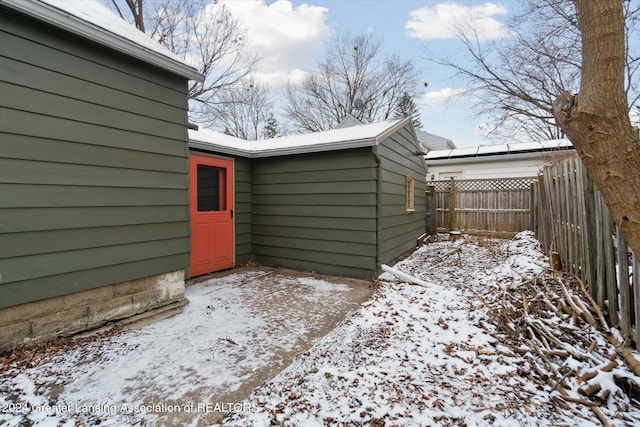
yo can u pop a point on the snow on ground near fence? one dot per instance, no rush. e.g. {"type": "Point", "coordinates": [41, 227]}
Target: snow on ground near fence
{"type": "Point", "coordinates": [417, 356]}
{"type": "Point", "coordinates": [411, 355]}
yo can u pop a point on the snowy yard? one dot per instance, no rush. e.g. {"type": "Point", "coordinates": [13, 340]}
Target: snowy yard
{"type": "Point", "coordinates": [237, 331]}
{"type": "Point", "coordinates": [432, 356]}
{"type": "Point", "coordinates": [457, 352]}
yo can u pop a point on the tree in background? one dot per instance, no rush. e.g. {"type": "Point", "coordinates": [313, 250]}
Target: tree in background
{"type": "Point", "coordinates": [596, 120]}
{"type": "Point", "coordinates": [406, 107]}
{"type": "Point", "coordinates": [517, 79]}
{"type": "Point", "coordinates": [204, 34]}
{"type": "Point", "coordinates": [245, 111]}
{"type": "Point", "coordinates": [354, 69]}
{"type": "Point", "coordinates": [271, 128]}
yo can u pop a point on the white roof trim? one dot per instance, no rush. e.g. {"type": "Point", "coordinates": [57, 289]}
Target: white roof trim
{"type": "Point", "coordinates": [366, 135]}
{"type": "Point", "coordinates": [139, 46]}
{"type": "Point", "coordinates": [499, 150]}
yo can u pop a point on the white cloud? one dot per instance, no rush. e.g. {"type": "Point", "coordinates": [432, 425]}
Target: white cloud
{"type": "Point", "coordinates": [439, 97]}
{"type": "Point", "coordinates": [286, 37]}
{"type": "Point", "coordinates": [445, 20]}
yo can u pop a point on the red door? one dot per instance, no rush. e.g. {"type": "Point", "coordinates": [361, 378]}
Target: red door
{"type": "Point", "coordinates": [211, 189]}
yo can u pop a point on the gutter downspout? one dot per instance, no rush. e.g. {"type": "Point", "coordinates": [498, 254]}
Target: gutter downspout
{"type": "Point", "coordinates": [379, 261]}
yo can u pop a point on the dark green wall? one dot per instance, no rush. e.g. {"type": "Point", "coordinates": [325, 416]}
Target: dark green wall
{"type": "Point", "coordinates": [317, 212]}
{"type": "Point", "coordinates": [93, 165]}
{"type": "Point", "coordinates": [243, 210]}
{"type": "Point", "coordinates": [399, 229]}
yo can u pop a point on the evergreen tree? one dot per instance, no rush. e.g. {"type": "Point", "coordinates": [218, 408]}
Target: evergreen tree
{"type": "Point", "coordinates": [407, 108]}
{"type": "Point", "coordinates": [270, 129]}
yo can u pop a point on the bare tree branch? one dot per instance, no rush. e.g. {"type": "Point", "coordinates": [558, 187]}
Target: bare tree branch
{"type": "Point", "coordinates": [353, 69]}
{"type": "Point", "coordinates": [515, 80]}
{"type": "Point", "coordinates": [203, 33]}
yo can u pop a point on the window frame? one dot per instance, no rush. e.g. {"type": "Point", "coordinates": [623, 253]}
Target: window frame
{"type": "Point", "coordinates": [410, 194]}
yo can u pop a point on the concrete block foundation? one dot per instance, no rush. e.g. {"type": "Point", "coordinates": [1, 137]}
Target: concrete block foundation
{"type": "Point", "coordinates": [81, 311]}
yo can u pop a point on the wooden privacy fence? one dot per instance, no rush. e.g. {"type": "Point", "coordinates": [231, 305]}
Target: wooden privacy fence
{"type": "Point", "coordinates": [572, 221]}
{"type": "Point", "coordinates": [487, 206]}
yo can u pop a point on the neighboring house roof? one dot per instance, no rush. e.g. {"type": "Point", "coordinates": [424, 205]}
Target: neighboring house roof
{"type": "Point", "coordinates": [348, 121]}
{"type": "Point", "coordinates": [500, 150]}
{"type": "Point", "coordinates": [432, 141]}
{"type": "Point", "coordinates": [95, 22]}
{"type": "Point", "coordinates": [365, 135]}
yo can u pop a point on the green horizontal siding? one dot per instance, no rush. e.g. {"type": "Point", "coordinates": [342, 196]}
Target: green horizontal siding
{"type": "Point", "coordinates": [34, 77]}
{"type": "Point", "coordinates": [45, 103]}
{"type": "Point", "coordinates": [317, 212]}
{"type": "Point", "coordinates": [52, 241]}
{"type": "Point", "coordinates": [243, 210]}
{"type": "Point", "coordinates": [318, 187]}
{"type": "Point", "coordinates": [35, 43]}
{"type": "Point", "coordinates": [320, 223]}
{"type": "Point", "coordinates": [18, 220]}
{"type": "Point", "coordinates": [94, 154]}
{"type": "Point", "coordinates": [93, 166]}
{"type": "Point", "coordinates": [337, 212]}
{"type": "Point", "coordinates": [15, 269]}
{"type": "Point", "coordinates": [32, 125]}
{"type": "Point", "coordinates": [360, 267]}
{"type": "Point", "coordinates": [52, 173]}
{"type": "Point", "coordinates": [361, 199]}
{"type": "Point", "coordinates": [400, 229]}
{"type": "Point", "coordinates": [318, 234]}
{"type": "Point", "coordinates": [45, 196]}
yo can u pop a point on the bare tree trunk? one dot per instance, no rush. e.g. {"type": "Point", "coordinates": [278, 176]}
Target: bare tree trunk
{"type": "Point", "coordinates": [135, 7]}
{"type": "Point", "coordinates": [596, 120]}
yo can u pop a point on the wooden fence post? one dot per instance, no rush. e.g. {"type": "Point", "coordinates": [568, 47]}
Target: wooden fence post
{"type": "Point", "coordinates": [636, 295]}
{"type": "Point", "coordinates": [623, 277]}
{"type": "Point", "coordinates": [533, 203]}
{"type": "Point", "coordinates": [452, 204]}
{"type": "Point", "coordinates": [430, 211]}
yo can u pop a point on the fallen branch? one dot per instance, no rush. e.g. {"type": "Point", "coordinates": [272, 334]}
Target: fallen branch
{"type": "Point", "coordinates": [405, 276]}
{"type": "Point", "coordinates": [594, 305]}
{"type": "Point", "coordinates": [626, 354]}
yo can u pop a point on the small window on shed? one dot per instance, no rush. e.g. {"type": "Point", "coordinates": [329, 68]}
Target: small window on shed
{"type": "Point", "coordinates": [410, 195]}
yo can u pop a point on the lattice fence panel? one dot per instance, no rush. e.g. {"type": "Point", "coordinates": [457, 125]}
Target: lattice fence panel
{"type": "Point", "coordinates": [486, 184]}
{"type": "Point", "coordinates": [484, 205]}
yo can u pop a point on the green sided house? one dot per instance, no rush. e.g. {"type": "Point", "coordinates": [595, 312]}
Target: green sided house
{"type": "Point", "coordinates": [107, 201]}
{"type": "Point", "coordinates": [94, 206]}
{"type": "Point", "coordinates": [339, 202]}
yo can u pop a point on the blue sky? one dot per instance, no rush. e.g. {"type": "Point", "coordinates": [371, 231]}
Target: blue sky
{"type": "Point", "coordinates": [291, 36]}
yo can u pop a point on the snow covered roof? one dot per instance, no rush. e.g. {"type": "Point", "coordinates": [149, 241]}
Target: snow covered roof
{"type": "Point", "coordinates": [91, 20]}
{"type": "Point", "coordinates": [431, 141]}
{"type": "Point", "coordinates": [365, 135]}
{"type": "Point", "coordinates": [500, 150]}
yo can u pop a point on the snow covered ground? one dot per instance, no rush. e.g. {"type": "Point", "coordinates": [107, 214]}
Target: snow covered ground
{"type": "Point", "coordinates": [416, 356]}
{"type": "Point", "coordinates": [236, 330]}
{"type": "Point", "coordinates": [411, 355]}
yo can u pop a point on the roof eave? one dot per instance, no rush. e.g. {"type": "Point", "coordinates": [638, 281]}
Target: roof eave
{"type": "Point", "coordinates": [71, 23]}
{"type": "Point", "coordinates": [316, 148]}
{"type": "Point", "coordinates": [254, 153]}
{"type": "Point", "coordinates": [393, 129]}
{"type": "Point", "coordinates": [222, 149]}
{"type": "Point", "coordinates": [499, 157]}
